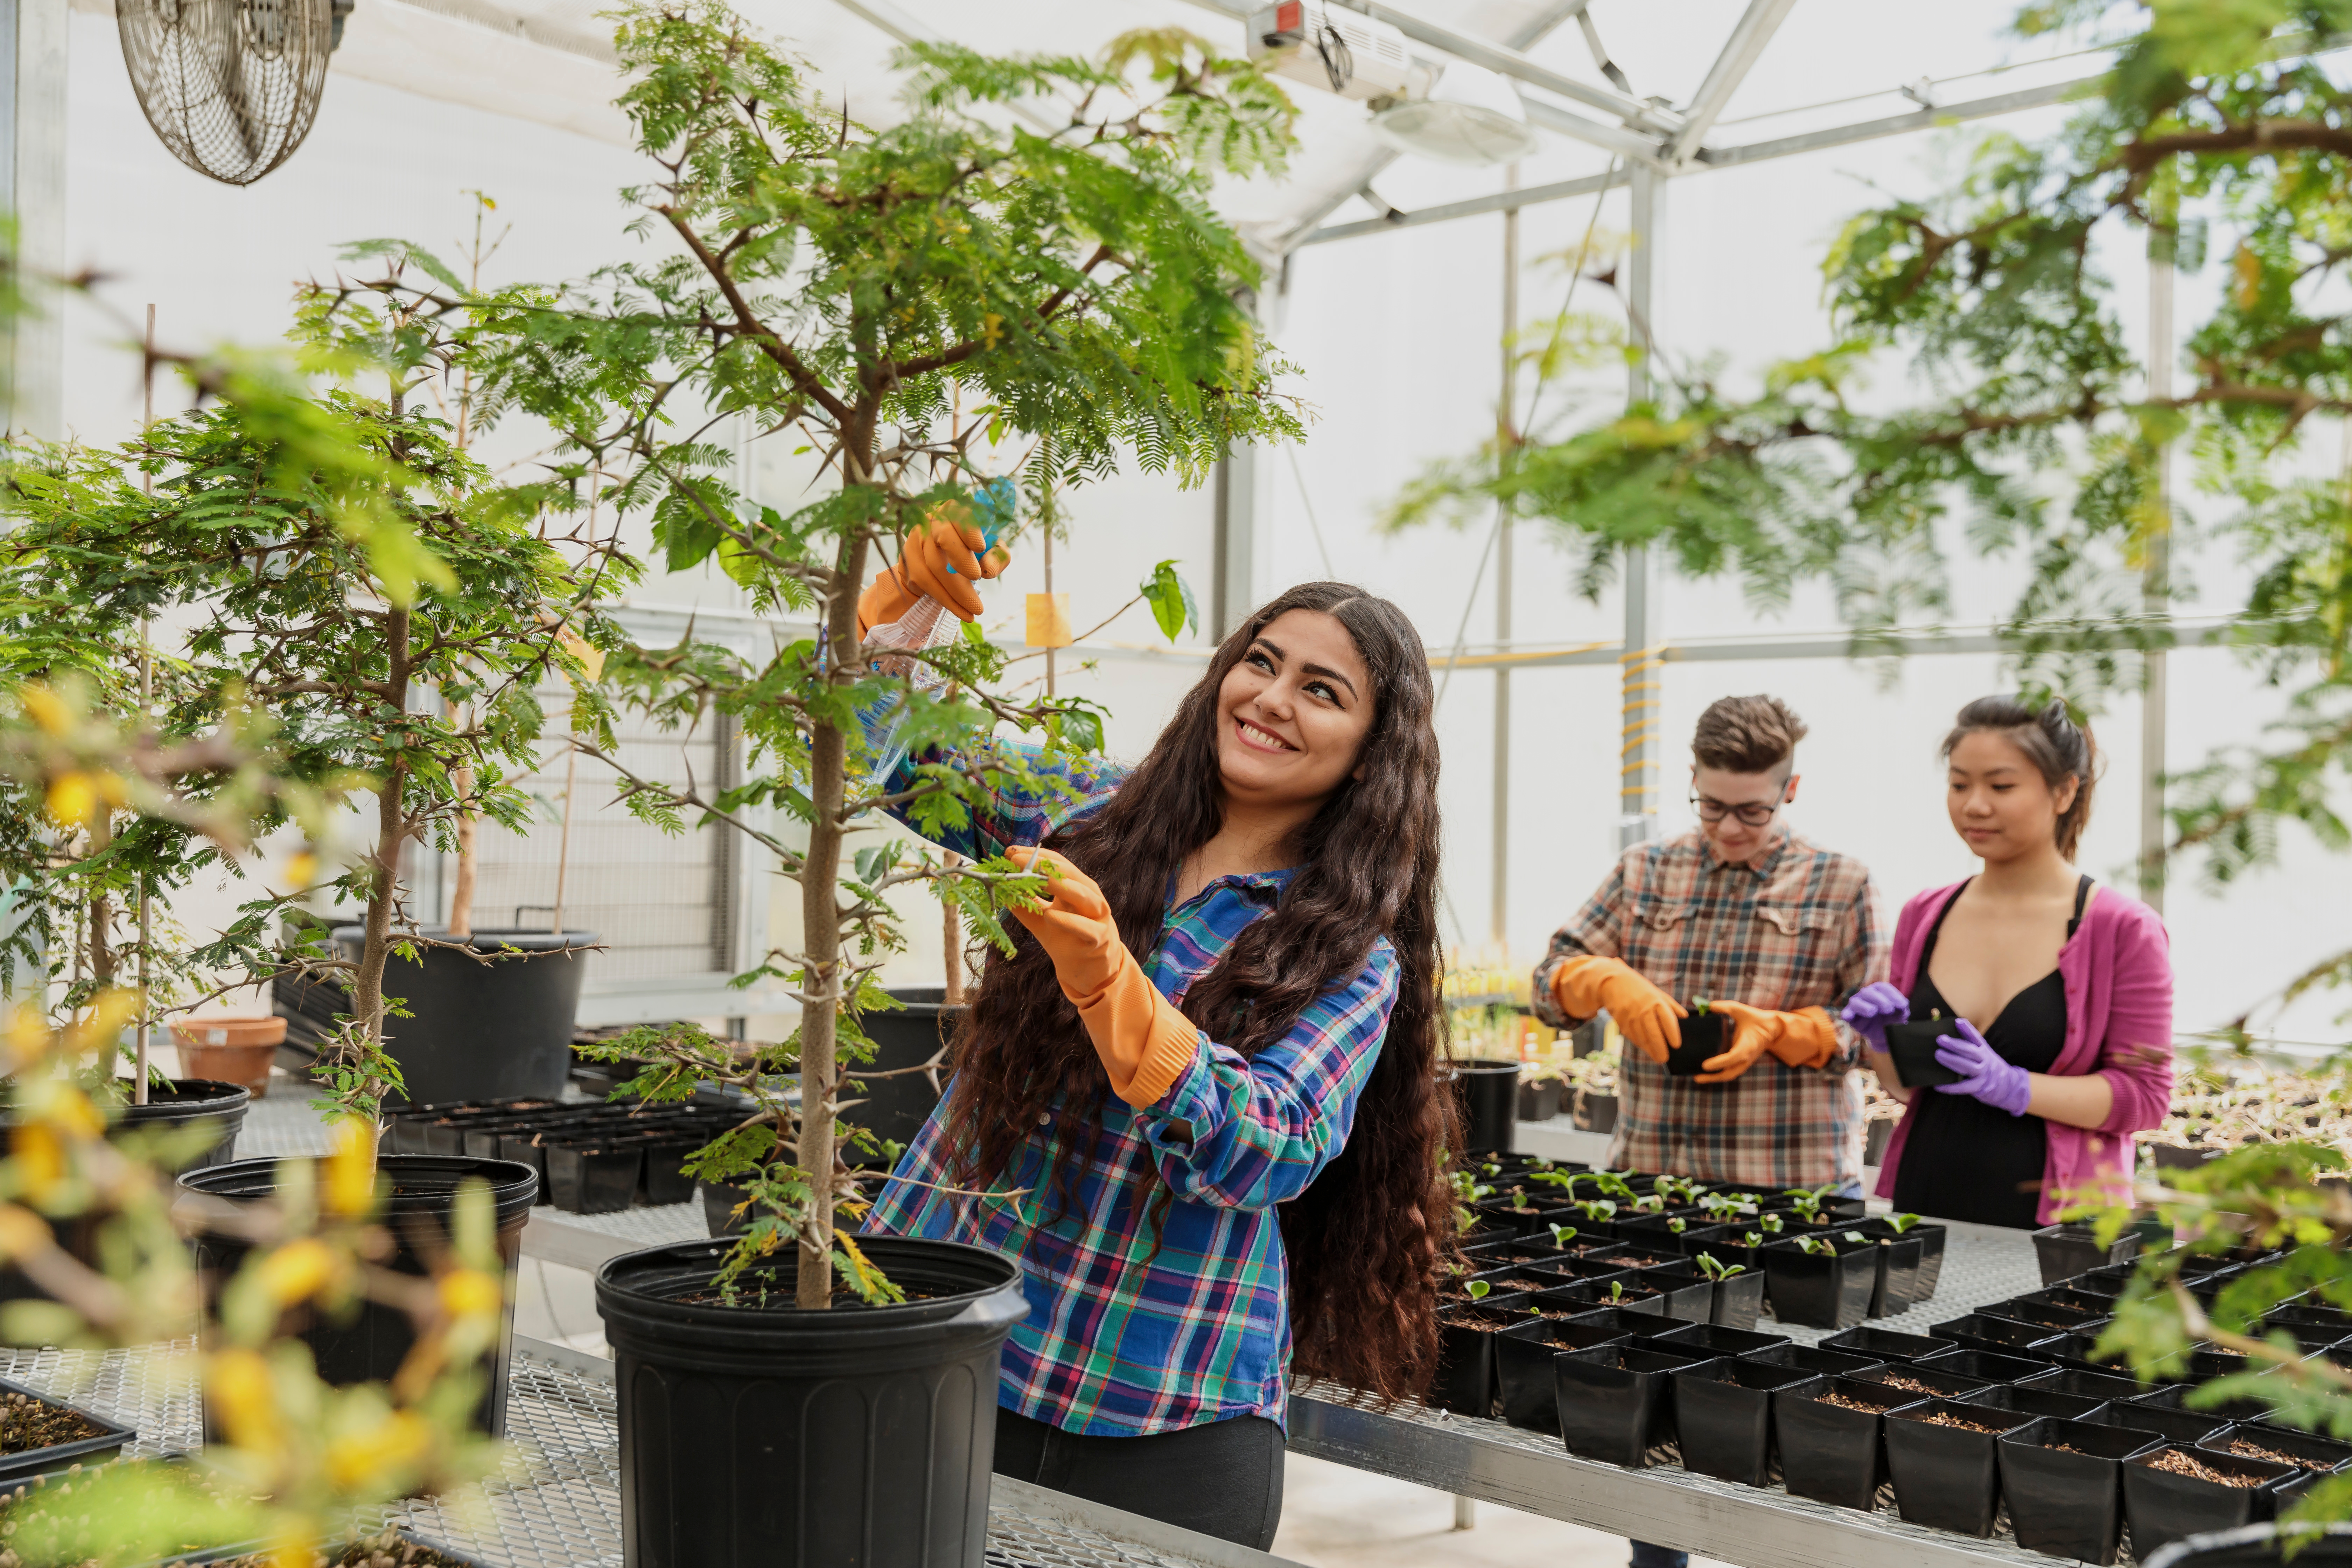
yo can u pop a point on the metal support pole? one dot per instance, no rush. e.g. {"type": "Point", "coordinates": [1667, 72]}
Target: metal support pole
{"type": "Point", "coordinates": [1505, 445]}
{"type": "Point", "coordinates": [33, 46]}
{"type": "Point", "coordinates": [1637, 805]}
{"type": "Point", "coordinates": [2155, 586]}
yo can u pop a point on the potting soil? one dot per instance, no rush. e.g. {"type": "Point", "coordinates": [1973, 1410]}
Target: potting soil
{"type": "Point", "coordinates": [1945, 1418]}
{"type": "Point", "coordinates": [2251, 1449]}
{"type": "Point", "coordinates": [1912, 1384]}
{"type": "Point", "coordinates": [1847, 1402]}
{"type": "Point", "coordinates": [368, 1551]}
{"type": "Point", "coordinates": [28, 1423]}
{"type": "Point", "coordinates": [2178, 1462]}
{"type": "Point", "coordinates": [1481, 1321]}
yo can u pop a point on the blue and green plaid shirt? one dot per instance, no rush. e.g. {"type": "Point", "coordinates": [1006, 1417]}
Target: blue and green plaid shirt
{"type": "Point", "coordinates": [1125, 1337]}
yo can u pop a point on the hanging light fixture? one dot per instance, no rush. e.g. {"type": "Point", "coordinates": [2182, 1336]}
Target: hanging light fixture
{"type": "Point", "coordinates": [1471, 115]}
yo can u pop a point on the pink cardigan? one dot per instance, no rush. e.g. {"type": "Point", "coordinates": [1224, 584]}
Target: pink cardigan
{"type": "Point", "coordinates": [2118, 971]}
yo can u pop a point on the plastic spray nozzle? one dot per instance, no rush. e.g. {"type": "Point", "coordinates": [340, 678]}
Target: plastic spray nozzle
{"type": "Point", "coordinates": [993, 506]}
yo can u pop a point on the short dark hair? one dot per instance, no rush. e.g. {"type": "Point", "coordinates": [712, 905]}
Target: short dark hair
{"type": "Point", "coordinates": [2057, 746]}
{"type": "Point", "coordinates": [1747, 734]}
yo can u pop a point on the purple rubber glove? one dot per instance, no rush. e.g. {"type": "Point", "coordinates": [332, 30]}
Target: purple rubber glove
{"type": "Point", "coordinates": [1869, 1010]}
{"type": "Point", "coordinates": [1984, 1073]}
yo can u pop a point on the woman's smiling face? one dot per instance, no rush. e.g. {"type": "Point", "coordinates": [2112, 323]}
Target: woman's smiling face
{"type": "Point", "coordinates": [1293, 714]}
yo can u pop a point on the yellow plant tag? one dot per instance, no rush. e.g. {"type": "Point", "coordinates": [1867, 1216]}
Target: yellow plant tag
{"type": "Point", "coordinates": [1049, 620]}
{"type": "Point", "coordinates": [590, 657]}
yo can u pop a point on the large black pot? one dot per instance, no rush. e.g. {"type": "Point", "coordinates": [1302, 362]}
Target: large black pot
{"type": "Point", "coordinates": [370, 1345]}
{"type": "Point", "coordinates": [483, 1030]}
{"type": "Point", "coordinates": [858, 1437]}
{"type": "Point", "coordinates": [895, 1108]}
{"type": "Point", "coordinates": [1490, 1103]}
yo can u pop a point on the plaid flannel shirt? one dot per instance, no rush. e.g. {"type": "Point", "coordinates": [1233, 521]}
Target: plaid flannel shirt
{"type": "Point", "coordinates": [1800, 929]}
{"type": "Point", "coordinates": [1133, 1329]}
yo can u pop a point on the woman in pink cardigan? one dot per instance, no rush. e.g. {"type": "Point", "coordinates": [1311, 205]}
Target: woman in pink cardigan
{"type": "Point", "coordinates": [2060, 993]}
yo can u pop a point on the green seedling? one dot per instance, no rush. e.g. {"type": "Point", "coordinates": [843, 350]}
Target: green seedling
{"type": "Point", "coordinates": [1902, 1223]}
{"type": "Point", "coordinates": [1598, 1209]}
{"type": "Point", "coordinates": [1814, 1244]}
{"type": "Point", "coordinates": [1752, 1240]}
{"type": "Point", "coordinates": [1769, 1224]}
{"type": "Point", "coordinates": [1616, 1291]}
{"type": "Point", "coordinates": [1717, 1270]}
{"type": "Point", "coordinates": [1477, 1289]}
{"type": "Point", "coordinates": [1562, 1235]}
{"type": "Point", "coordinates": [1678, 1226]}
{"type": "Point", "coordinates": [1856, 1237]}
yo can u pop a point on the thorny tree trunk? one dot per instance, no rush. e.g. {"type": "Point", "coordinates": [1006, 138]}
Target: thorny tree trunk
{"type": "Point", "coordinates": [951, 945]}
{"type": "Point", "coordinates": [821, 927]}
{"type": "Point", "coordinates": [391, 832]}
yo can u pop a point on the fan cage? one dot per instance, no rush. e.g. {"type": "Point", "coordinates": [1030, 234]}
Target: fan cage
{"type": "Point", "coordinates": [232, 87]}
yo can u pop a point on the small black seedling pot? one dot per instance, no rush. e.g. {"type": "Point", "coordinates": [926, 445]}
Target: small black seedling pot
{"type": "Point", "coordinates": [1521, 1280]}
{"type": "Point", "coordinates": [1738, 1299]}
{"type": "Point", "coordinates": [1814, 1360]}
{"type": "Point", "coordinates": [593, 1176]}
{"type": "Point", "coordinates": [1821, 1289]}
{"type": "Point", "coordinates": [1710, 1340]}
{"type": "Point", "coordinates": [2002, 1336]}
{"type": "Point", "coordinates": [1896, 1286]}
{"type": "Point", "coordinates": [1913, 1047]}
{"type": "Point", "coordinates": [2064, 1483]}
{"type": "Point", "coordinates": [2091, 1303]}
{"type": "Point", "coordinates": [2313, 1315]}
{"type": "Point", "coordinates": [1464, 1383]}
{"type": "Point", "coordinates": [1689, 1294]}
{"type": "Point", "coordinates": [1947, 1477]}
{"type": "Point", "coordinates": [2108, 1278]}
{"type": "Point", "coordinates": [1641, 1252]}
{"type": "Point", "coordinates": [2074, 1381]}
{"type": "Point", "coordinates": [1886, 1344]}
{"type": "Point", "coordinates": [2175, 1396]}
{"type": "Point", "coordinates": [1831, 1453]}
{"type": "Point", "coordinates": [1523, 1358]}
{"type": "Point", "coordinates": [2314, 1457]}
{"type": "Point", "coordinates": [1723, 1416]}
{"type": "Point", "coordinates": [1701, 1035]}
{"type": "Point", "coordinates": [1916, 1382]}
{"type": "Point", "coordinates": [1931, 1259]}
{"type": "Point", "coordinates": [2026, 1400]}
{"type": "Point", "coordinates": [2047, 1317]}
{"type": "Point", "coordinates": [2163, 1507]}
{"type": "Point", "coordinates": [1616, 1402]}
{"type": "Point", "coordinates": [2066, 1250]}
{"type": "Point", "coordinates": [1503, 1218]}
{"type": "Point", "coordinates": [2172, 1426]}
{"type": "Point", "coordinates": [1593, 1268]}
{"type": "Point", "coordinates": [1989, 1366]}
{"type": "Point", "coordinates": [1641, 1323]}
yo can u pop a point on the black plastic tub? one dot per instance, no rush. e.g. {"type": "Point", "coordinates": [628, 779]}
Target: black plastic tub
{"type": "Point", "coordinates": [2067, 1502]}
{"type": "Point", "coordinates": [1831, 1453]}
{"type": "Point", "coordinates": [419, 1194]}
{"type": "Point", "coordinates": [1714, 1340]}
{"type": "Point", "coordinates": [1947, 1477]}
{"type": "Point", "coordinates": [1913, 1046]}
{"type": "Point", "coordinates": [1489, 1093]}
{"type": "Point", "coordinates": [2163, 1508]}
{"type": "Point", "coordinates": [2002, 1336]}
{"type": "Point", "coordinates": [1723, 1416]}
{"type": "Point", "coordinates": [1821, 1289]}
{"type": "Point", "coordinates": [1814, 1360]}
{"type": "Point", "coordinates": [1888, 1345]}
{"type": "Point", "coordinates": [1616, 1402]}
{"type": "Point", "coordinates": [1989, 1365]}
{"type": "Point", "coordinates": [2066, 1250]}
{"type": "Point", "coordinates": [754, 1436]}
{"type": "Point", "coordinates": [97, 1449]}
{"type": "Point", "coordinates": [486, 1026]}
{"type": "Point", "coordinates": [1523, 1372]}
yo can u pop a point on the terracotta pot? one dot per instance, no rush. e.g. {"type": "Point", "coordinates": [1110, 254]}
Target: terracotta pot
{"type": "Point", "coordinates": [229, 1051]}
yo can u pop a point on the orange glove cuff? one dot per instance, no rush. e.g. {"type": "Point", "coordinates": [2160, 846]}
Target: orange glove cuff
{"type": "Point", "coordinates": [1807, 1038]}
{"type": "Point", "coordinates": [1144, 1042]}
{"type": "Point", "coordinates": [884, 600]}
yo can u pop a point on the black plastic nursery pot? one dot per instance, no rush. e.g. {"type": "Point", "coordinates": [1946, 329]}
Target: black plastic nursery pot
{"type": "Point", "coordinates": [2258, 1546]}
{"type": "Point", "coordinates": [2002, 1336]}
{"type": "Point", "coordinates": [1821, 1289]}
{"type": "Point", "coordinates": [1490, 1102]}
{"type": "Point", "coordinates": [1913, 1047]}
{"type": "Point", "coordinates": [1814, 1360]}
{"type": "Point", "coordinates": [2066, 1250]}
{"type": "Point", "coordinates": [1616, 1402]}
{"type": "Point", "coordinates": [2027, 1400]}
{"type": "Point", "coordinates": [1831, 1450]}
{"type": "Point", "coordinates": [2164, 1507]}
{"type": "Point", "coordinates": [1464, 1383]}
{"type": "Point", "coordinates": [1931, 1260]}
{"type": "Point", "coordinates": [1711, 1339]}
{"type": "Point", "coordinates": [2312, 1455]}
{"type": "Point", "coordinates": [1916, 1381]}
{"type": "Point", "coordinates": [485, 1030]}
{"type": "Point", "coordinates": [421, 1195]}
{"type": "Point", "coordinates": [105, 1441]}
{"type": "Point", "coordinates": [2188, 1426]}
{"type": "Point", "coordinates": [1942, 1455]}
{"type": "Point", "coordinates": [1688, 1294]}
{"type": "Point", "coordinates": [2064, 1483]}
{"type": "Point", "coordinates": [1738, 1299]}
{"type": "Point", "coordinates": [1593, 1113]}
{"type": "Point", "coordinates": [1888, 1345]}
{"type": "Point", "coordinates": [1896, 1285]}
{"type": "Point", "coordinates": [1723, 1416]}
{"type": "Point", "coordinates": [1539, 1099]}
{"type": "Point", "coordinates": [905, 1036]}
{"type": "Point", "coordinates": [2082, 1383]}
{"type": "Point", "coordinates": [1523, 1370]}
{"type": "Point", "coordinates": [1702, 1037]}
{"type": "Point", "coordinates": [774, 1437]}
{"type": "Point", "coordinates": [1991, 1365]}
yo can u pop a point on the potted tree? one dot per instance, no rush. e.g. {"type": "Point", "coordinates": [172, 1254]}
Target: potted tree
{"type": "Point", "coordinates": [929, 307]}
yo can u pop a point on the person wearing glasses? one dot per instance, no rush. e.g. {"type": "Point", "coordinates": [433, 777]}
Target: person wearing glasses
{"type": "Point", "coordinates": [1767, 929]}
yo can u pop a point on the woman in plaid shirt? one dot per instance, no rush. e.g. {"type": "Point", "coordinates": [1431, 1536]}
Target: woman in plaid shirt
{"type": "Point", "coordinates": [1199, 1096]}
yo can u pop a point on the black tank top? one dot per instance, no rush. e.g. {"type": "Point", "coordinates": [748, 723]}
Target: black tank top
{"type": "Point", "coordinates": [1966, 1160]}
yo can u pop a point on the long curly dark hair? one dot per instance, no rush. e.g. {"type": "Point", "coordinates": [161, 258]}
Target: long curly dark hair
{"type": "Point", "coordinates": [1364, 1241]}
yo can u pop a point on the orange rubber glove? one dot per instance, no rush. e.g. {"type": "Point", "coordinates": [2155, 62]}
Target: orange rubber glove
{"type": "Point", "coordinates": [1144, 1042]}
{"type": "Point", "coordinates": [1644, 1014]}
{"type": "Point", "coordinates": [925, 556]}
{"type": "Point", "coordinates": [1802, 1039]}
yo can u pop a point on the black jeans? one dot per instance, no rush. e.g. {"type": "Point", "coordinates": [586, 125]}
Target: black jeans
{"type": "Point", "coordinates": [1224, 1478]}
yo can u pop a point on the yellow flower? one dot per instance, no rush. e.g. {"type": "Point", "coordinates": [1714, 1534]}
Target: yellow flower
{"type": "Point", "coordinates": [351, 1170]}
{"type": "Point", "coordinates": [40, 1159]}
{"type": "Point", "coordinates": [110, 1013]}
{"type": "Point", "coordinates": [470, 1293]}
{"type": "Point", "coordinates": [297, 1271]}
{"type": "Point", "coordinates": [380, 1456]}
{"type": "Point", "coordinates": [244, 1398]}
{"type": "Point", "coordinates": [48, 709]}
{"type": "Point", "coordinates": [73, 799]}
{"type": "Point", "coordinates": [70, 1110]}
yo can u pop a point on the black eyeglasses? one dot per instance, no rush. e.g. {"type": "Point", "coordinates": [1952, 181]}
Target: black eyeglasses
{"type": "Point", "coordinates": [1754, 813]}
